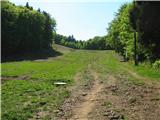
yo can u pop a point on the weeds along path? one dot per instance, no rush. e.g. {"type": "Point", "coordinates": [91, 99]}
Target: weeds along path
{"type": "Point", "coordinates": [144, 79]}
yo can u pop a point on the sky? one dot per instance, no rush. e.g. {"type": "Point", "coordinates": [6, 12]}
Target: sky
{"type": "Point", "coordinates": [84, 19]}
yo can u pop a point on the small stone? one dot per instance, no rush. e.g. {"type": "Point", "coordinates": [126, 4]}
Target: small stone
{"type": "Point", "coordinates": [91, 99]}
{"type": "Point", "coordinates": [37, 116]}
{"type": "Point", "coordinates": [115, 117]}
{"type": "Point", "coordinates": [76, 118]}
{"type": "Point", "coordinates": [135, 110]}
{"type": "Point", "coordinates": [122, 117]}
{"type": "Point", "coordinates": [101, 81]}
{"type": "Point", "coordinates": [106, 114]}
{"type": "Point", "coordinates": [60, 114]}
{"type": "Point", "coordinates": [56, 111]}
{"type": "Point", "coordinates": [127, 93]}
{"type": "Point", "coordinates": [60, 109]}
{"type": "Point", "coordinates": [155, 99]}
{"type": "Point", "coordinates": [132, 100]}
{"type": "Point", "coordinates": [84, 94]}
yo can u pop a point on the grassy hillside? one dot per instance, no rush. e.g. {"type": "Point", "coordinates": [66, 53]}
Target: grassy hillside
{"type": "Point", "coordinates": [28, 86]}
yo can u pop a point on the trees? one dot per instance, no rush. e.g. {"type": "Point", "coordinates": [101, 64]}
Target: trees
{"type": "Point", "coordinates": [97, 43]}
{"type": "Point", "coordinates": [29, 7]}
{"type": "Point", "coordinates": [69, 41]}
{"type": "Point", "coordinates": [120, 33]}
{"type": "Point", "coordinates": [49, 27]}
{"type": "Point", "coordinates": [145, 19]}
{"type": "Point", "coordinates": [142, 17]}
{"type": "Point", "coordinates": [24, 29]}
{"type": "Point", "coordinates": [9, 16]}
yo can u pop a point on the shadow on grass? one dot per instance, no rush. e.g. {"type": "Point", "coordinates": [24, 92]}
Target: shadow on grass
{"type": "Point", "coordinates": [36, 55]}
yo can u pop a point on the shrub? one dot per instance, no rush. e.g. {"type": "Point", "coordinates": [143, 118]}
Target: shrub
{"type": "Point", "coordinates": [156, 64]}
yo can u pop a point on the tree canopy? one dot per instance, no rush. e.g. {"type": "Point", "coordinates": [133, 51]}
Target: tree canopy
{"type": "Point", "coordinates": [96, 43]}
{"type": "Point", "coordinates": [142, 17]}
{"type": "Point", "coordinates": [145, 19]}
{"type": "Point", "coordinates": [24, 29]}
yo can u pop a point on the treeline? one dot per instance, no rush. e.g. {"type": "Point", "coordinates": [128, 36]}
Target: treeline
{"type": "Point", "coordinates": [143, 18]}
{"type": "Point", "coordinates": [25, 29]}
{"type": "Point", "coordinates": [97, 43]}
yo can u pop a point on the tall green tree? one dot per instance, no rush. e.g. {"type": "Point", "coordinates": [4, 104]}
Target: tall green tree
{"type": "Point", "coordinates": [49, 28]}
{"type": "Point", "coordinates": [120, 32]}
{"type": "Point", "coordinates": [145, 19]}
{"type": "Point", "coordinates": [24, 29]}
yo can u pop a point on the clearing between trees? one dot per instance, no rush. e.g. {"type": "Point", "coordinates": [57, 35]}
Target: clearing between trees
{"type": "Point", "coordinates": [99, 87]}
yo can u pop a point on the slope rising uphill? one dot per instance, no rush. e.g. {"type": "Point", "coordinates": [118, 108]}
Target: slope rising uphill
{"type": "Point", "coordinates": [99, 87]}
{"type": "Point", "coordinates": [111, 91]}
{"type": "Point", "coordinates": [29, 85]}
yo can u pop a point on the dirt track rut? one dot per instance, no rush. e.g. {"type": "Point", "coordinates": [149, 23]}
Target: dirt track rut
{"type": "Point", "coordinates": [82, 110]}
{"type": "Point", "coordinates": [113, 98]}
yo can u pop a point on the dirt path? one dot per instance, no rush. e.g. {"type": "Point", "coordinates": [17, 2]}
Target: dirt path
{"type": "Point", "coordinates": [81, 111]}
{"type": "Point", "coordinates": [108, 102]}
{"type": "Point", "coordinates": [121, 99]}
{"type": "Point", "coordinates": [83, 97]}
{"type": "Point", "coordinates": [110, 96]}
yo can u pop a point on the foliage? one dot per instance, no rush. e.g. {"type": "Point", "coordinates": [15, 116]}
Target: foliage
{"type": "Point", "coordinates": [24, 29]}
{"type": "Point", "coordinates": [69, 41]}
{"type": "Point", "coordinates": [97, 43]}
{"type": "Point", "coordinates": [113, 65]}
{"type": "Point", "coordinates": [156, 64]}
{"type": "Point", "coordinates": [145, 19]}
{"type": "Point", "coordinates": [138, 16]}
{"type": "Point", "coordinates": [120, 34]}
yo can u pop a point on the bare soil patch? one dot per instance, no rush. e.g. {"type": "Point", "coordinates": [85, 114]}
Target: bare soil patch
{"type": "Point", "coordinates": [121, 99]}
{"type": "Point", "coordinates": [82, 100]}
{"type": "Point", "coordinates": [24, 77]}
{"type": "Point", "coordinates": [115, 98]}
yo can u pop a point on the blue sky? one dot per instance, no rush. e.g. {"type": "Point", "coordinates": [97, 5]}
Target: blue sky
{"type": "Point", "coordinates": [84, 19]}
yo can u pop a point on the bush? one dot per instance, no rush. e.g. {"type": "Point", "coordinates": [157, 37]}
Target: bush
{"type": "Point", "coordinates": [156, 64]}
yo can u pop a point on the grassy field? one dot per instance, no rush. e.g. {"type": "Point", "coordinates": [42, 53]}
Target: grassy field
{"type": "Point", "coordinates": [28, 86]}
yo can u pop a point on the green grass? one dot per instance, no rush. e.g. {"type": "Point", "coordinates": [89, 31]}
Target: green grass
{"type": "Point", "coordinates": [147, 71]}
{"type": "Point", "coordinates": [22, 99]}
{"type": "Point", "coordinates": [107, 104]}
{"type": "Point", "coordinates": [110, 64]}
{"type": "Point", "coordinates": [57, 69]}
